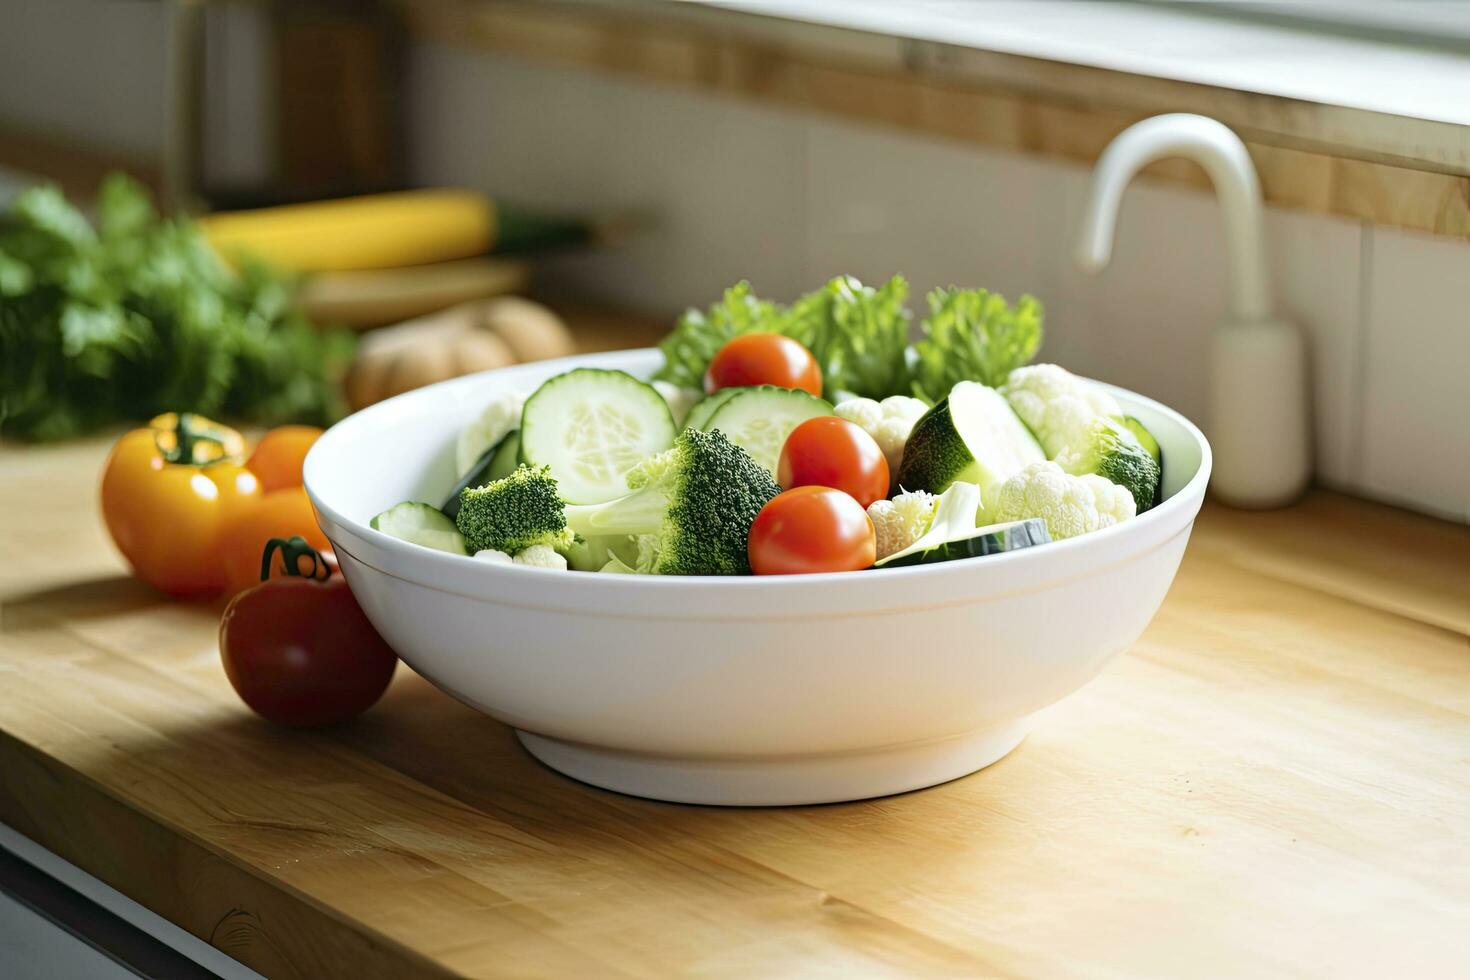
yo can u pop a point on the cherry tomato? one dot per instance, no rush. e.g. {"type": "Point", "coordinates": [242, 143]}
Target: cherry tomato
{"type": "Point", "coordinates": [811, 529]}
{"type": "Point", "coordinates": [169, 492]}
{"type": "Point", "coordinates": [278, 456]}
{"type": "Point", "coordinates": [300, 651]}
{"type": "Point", "coordinates": [831, 452]}
{"type": "Point", "coordinates": [763, 359]}
{"type": "Point", "coordinates": [278, 514]}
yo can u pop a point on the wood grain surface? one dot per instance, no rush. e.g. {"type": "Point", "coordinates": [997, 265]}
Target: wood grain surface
{"type": "Point", "coordinates": [1274, 782]}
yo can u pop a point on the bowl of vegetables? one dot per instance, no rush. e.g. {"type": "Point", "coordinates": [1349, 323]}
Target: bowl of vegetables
{"type": "Point", "coordinates": [789, 557]}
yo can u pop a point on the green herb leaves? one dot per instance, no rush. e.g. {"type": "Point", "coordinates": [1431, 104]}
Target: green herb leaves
{"type": "Point", "coordinates": [859, 336]}
{"type": "Point", "coordinates": [138, 316]}
{"type": "Point", "coordinates": [974, 335]}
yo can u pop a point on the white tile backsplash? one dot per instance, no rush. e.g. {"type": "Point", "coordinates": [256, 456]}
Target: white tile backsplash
{"type": "Point", "coordinates": [788, 199]}
{"type": "Point", "coordinates": [881, 202]}
{"type": "Point", "coordinates": [1416, 374]}
{"type": "Point", "coordinates": [722, 181]}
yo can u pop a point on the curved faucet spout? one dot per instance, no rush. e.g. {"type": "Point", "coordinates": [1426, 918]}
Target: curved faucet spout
{"type": "Point", "coordinates": [1223, 156]}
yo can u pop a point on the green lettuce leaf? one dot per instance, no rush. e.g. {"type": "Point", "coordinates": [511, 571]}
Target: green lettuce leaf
{"type": "Point", "coordinates": [858, 335]}
{"type": "Point", "coordinates": [973, 335]}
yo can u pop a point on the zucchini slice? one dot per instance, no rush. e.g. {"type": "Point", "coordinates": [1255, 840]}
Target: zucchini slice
{"type": "Point", "coordinates": [972, 436]}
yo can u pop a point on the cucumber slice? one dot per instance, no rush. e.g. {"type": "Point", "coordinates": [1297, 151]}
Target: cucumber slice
{"type": "Point", "coordinates": [420, 524]}
{"type": "Point", "coordinates": [592, 426]}
{"type": "Point", "coordinates": [759, 419]}
{"type": "Point", "coordinates": [495, 463]}
{"type": "Point", "coordinates": [705, 407]}
{"type": "Point", "coordinates": [972, 436]}
{"type": "Point", "coordinates": [991, 540]}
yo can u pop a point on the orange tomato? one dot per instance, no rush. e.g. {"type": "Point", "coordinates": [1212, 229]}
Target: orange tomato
{"type": "Point", "coordinates": [168, 493]}
{"type": "Point", "coordinates": [831, 452]}
{"type": "Point", "coordinates": [811, 529]}
{"type": "Point", "coordinates": [763, 359]}
{"type": "Point", "coordinates": [279, 454]}
{"type": "Point", "coordinates": [278, 514]}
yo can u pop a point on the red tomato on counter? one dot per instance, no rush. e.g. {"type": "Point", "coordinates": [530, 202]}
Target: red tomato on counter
{"type": "Point", "coordinates": [763, 359]}
{"type": "Point", "coordinates": [298, 649]}
{"type": "Point", "coordinates": [812, 529]}
{"type": "Point", "coordinates": [831, 452]}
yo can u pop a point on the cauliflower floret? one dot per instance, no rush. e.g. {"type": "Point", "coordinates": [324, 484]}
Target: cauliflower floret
{"type": "Point", "coordinates": [490, 554]}
{"type": "Point", "coordinates": [542, 556]}
{"type": "Point", "coordinates": [901, 521]}
{"type": "Point", "coordinates": [493, 424]}
{"type": "Point", "coordinates": [1070, 505]}
{"type": "Point", "coordinates": [889, 422]}
{"type": "Point", "coordinates": [680, 400]}
{"type": "Point", "coordinates": [1057, 406]}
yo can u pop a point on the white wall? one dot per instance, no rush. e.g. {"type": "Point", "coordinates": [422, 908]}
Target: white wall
{"type": "Point", "coordinates": [97, 74]}
{"type": "Point", "coordinates": [788, 199]}
{"type": "Point", "coordinates": [91, 73]}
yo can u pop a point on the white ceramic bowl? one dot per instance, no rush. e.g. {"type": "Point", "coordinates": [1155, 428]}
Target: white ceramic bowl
{"type": "Point", "coordinates": [752, 690]}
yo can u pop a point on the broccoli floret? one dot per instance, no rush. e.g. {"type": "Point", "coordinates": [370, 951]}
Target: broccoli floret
{"type": "Point", "coordinates": [1082, 429]}
{"type": "Point", "coordinates": [1114, 453]}
{"type": "Point", "coordinates": [696, 501]}
{"type": "Point", "coordinates": [513, 514]}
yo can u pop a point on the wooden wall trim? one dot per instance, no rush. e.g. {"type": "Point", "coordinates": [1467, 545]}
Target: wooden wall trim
{"type": "Point", "coordinates": [1412, 174]}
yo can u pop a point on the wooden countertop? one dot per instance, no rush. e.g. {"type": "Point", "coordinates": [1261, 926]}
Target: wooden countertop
{"type": "Point", "coordinates": [1276, 780]}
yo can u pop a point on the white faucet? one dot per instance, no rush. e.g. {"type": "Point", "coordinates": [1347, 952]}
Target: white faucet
{"type": "Point", "coordinates": [1258, 406]}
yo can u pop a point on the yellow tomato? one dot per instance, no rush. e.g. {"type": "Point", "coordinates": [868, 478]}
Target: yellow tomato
{"type": "Point", "coordinates": [168, 493]}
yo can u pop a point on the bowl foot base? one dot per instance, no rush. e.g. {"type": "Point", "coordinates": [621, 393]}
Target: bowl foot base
{"type": "Point", "coordinates": [779, 781]}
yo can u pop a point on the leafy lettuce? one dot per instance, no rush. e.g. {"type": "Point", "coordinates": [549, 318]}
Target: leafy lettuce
{"type": "Point", "coordinates": [860, 337]}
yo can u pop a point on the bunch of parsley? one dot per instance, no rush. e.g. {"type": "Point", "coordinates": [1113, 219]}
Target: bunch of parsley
{"type": "Point", "coordinates": [138, 316]}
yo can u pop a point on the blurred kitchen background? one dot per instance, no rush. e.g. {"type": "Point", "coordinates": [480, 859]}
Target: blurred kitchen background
{"type": "Point", "coordinates": [664, 151]}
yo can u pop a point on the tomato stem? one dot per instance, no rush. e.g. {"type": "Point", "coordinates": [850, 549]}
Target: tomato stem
{"type": "Point", "coordinates": [292, 550]}
{"type": "Point", "coordinates": [189, 432]}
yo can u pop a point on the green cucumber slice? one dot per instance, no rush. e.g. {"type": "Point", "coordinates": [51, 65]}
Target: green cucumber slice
{"type": "Point", "coordinates": [705, 407]}
{"type": "Point", "coordinates": [759, 419]}
{"type": "Point", "coordinates": [991, 540]}
{"type": "Point", "coordinates": [592, 426]}
{"type": "Point", "coordinates": [495, 463]}
{"type": "Point", "coordinates": [972, 436]}
{"type": "Point", "coordinates": [420, 524]}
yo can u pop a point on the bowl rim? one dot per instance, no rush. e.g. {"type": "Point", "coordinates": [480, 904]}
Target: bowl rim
{"type": "Point", "coordinates": [1169, 513]}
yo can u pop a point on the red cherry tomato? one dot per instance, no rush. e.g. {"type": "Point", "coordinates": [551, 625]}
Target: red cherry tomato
{"type": "Point", "coordinates": [763, 359]}
{"type": "Point", "coordinates": [299, 650]}
{"type": "Point", "coordinates": [811, 529]}
{"type": "Point", "coordinates": [831, 452]}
